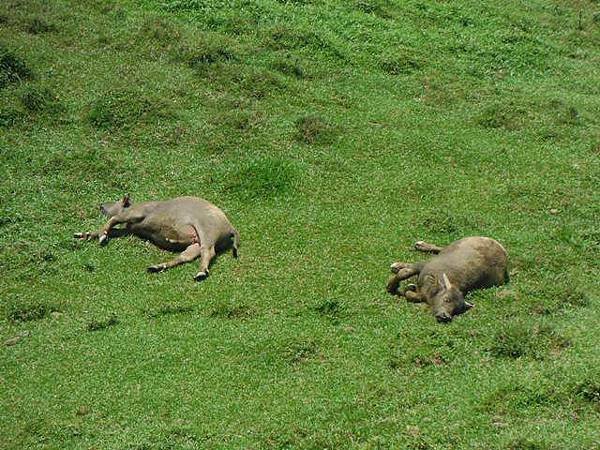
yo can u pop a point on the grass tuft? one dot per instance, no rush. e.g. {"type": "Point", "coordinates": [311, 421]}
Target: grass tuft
{"type": "Point", "coordinates": [528, 444]}
{"type": "Point", "coordinates": [559, 300]}
{"type": "Point", "coordinates": [521, 340]}
{"type": "Point", "coordinates": [38, 26]}
{"type": "Point", "coordinates": [509, 116]}
{"type": "Point", "coordinates": [400, 65]}
{"type": "Point", "coordinates": [99, 325]}
{"type": "Point", "coordinates": [229, 311]}
{"type": "Point", "coordinates": [203, 60]}
{"type": "Point", "coordinates": [161, 31]}
{"type": "Point", "coordinates": [290, 67]}
{"type": "Point", "coordinates": [589, 390]}
{"type": "Point", "coordinates": [10, 116]}
{"type": "Point", "coordinates": [37, 99]}
{"type": "Point", "coordinates": [28, 313]}
{"type": "Point", "coordinates": [332, 310]}
{"type": "Point", "coordinates": [314, 130]}
{"type": "Point", "coordinates": [12, 68]}
{"type": "Point", "coordinates": [263, 178]}
{"type": "Point", "coordinates": [374, 7]}
{"type": "Point", "coordinates": [169, 310]}
{"type": "Point", "coordinates": [128, 108]}
{"type": "Point", "coordinates": [239, 119]}
{"type": "Point", "coordinates": [300, 352]}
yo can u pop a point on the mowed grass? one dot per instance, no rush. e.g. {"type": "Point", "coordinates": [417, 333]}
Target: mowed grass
{"type": "Point", "coordinates": [334, 134]}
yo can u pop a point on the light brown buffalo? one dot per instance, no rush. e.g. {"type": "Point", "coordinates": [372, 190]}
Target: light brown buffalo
{"type": "Point", "coordinates": [443, 281]}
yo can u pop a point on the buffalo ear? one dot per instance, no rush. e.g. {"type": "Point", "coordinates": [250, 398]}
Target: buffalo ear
{"type": "Point", "coordinates": [126, 202]}
{"type": "Point", "coordinates": [445, 282]}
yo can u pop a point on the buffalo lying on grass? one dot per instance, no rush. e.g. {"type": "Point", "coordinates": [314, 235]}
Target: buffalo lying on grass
{"type": "Point", "coordinates": [191, 225]}
{"type": "Point", "coordinates": [443, 281]}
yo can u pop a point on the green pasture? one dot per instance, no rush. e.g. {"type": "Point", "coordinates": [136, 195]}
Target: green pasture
{"type": "Point", "coordinates": [334, 134]}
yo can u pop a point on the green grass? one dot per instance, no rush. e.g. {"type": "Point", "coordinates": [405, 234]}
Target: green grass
{"type": "Point", "coordinates": [334, 134]}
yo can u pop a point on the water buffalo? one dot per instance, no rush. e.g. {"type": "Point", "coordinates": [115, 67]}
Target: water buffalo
{"type": "Point", "coordinates": [191, 225]}
{"type": "Point", "coordinates": [443, 281]}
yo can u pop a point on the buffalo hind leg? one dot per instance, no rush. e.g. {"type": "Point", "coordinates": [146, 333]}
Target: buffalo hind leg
{"type": "Point", "coordinates": [402, 274]}
{"type": "Point", "coordinates": [207, 254]}
{"type": "Point", "coordinates": [188, 255]}
{"type": "Point", "coordinates": [423, 246]}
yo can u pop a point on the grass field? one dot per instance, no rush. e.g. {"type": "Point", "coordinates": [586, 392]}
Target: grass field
{"type": "Point", "coordinates": [334, 134]}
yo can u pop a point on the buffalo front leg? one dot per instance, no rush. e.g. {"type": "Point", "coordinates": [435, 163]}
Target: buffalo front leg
{"type": "Point", "coordinates": [206, 256]}
{"type": "Point", "coordinates": [423, 246]}
{"type": "Point", "coordinates": [402, 274]}
{"type": "Point", "coordinates": [88, 235]}
{"type": "Point", "coordinates": [103, 233]}
{"type": "Point", "coordinates": [395, 268]}
{"type": "Point", "coordinates": [188, 255]}
{"type": "Point", "coordinates": [412, 294]}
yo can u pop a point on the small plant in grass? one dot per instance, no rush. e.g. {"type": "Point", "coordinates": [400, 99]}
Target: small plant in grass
{"type": "Point", "coordinates": [169, 310]}
{"type": "Point", "coordinates": [28, 313]}
{"type": "Point", "coordinates": [209, 57]}
{"type": "Point", "coordinates": [290, 67]}
{"type": "Point", "coordinates": [400, 65]}
{"type": "Point", "coordinates": [12, 68]}
{"type": "Point", "coordinates": [528, 444]}
{"type": "Point", "coordinates": [374, 7]}
{"type": "Point", "coordinates": [37, 99]}
{"type": "Point", "coordinates": [520, 340]}
{"type": "Point", "coordinates": [299, 352]}
{"type": "Point", "coordinates": [229, 311]}
{"type": "Point", "coordinates": [314, 130]}
{"type": "Point", "coordinates": [263, 178]}
{"type": "Point", "coordinates": [126, 108]}
{"type": "Point", "coordinates": [589, 390]}
{"type": "Point", "coordinates": [39, 26]}
{"type": "Point", "coordinates": [98, 325]}
{"type": "Point", "coordinates": [330, 309]}
{"type": "Point", "coordinates": [10, 116]}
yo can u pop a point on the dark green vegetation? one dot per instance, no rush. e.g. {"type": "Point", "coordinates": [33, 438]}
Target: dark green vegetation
{"type": "Point", "coordinates": [334, 135]}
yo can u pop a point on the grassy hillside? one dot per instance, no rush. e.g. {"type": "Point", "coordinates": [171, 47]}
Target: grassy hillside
{"type": "Point", "coordinates": [334, 134]}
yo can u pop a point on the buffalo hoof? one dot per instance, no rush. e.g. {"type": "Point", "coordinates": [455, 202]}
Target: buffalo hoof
{"type": "Point", "coordinates": [157, 268]}
{"type": "Point", "coordinates": [200, 276]}
{"type": "Point", "coordinates": [421, 246]}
